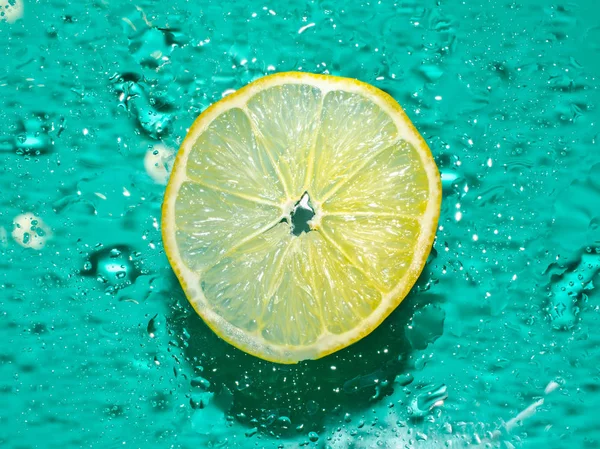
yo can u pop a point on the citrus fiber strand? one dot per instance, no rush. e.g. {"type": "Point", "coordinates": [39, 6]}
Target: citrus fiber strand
{"type": "Point", "coordinates": [311, 154]}
{"type": "Point", "coordinates": [243, 196]}
{"type": "Point", "coordinates": [313, 263]}
{"type": "Point", "coordinates": [356, 171]}
{"type": "Point", "coordinates": [352, 262]}
{"type": "Point", "coordinates": [250, 237]}
{"type": "Point", "coordinates": [337, 213]}
{"type": "Point", "coordinates": [276, 280]}
{"type": "Point", "coordinates": [259, 137]}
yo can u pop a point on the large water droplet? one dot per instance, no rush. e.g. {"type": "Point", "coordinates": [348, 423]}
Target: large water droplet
{"type": "Point", "coordinates": [427, 399]}
{"type": "Point", "coordinates": [153, 114]}
{"type": "Point", "coordinates": [155, 325]}
{"type": "Point", "coordinates": [12, 10]}
{"type": "Point", "coordinates": [200, 382]}
{"type": "Point", "coordinates": [31, 138]}
{"type": "Point", "coordinates": [568, 288]}
{"type": "Point", "coordinates": [30, 231]}
{"type": "Point", "coordinates": [426, 326]}
{"type": "Point", "coordinates": [114, 266]}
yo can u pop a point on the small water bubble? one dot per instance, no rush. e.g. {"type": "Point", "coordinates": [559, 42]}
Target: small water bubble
{"type": "Point", "coordinates": [313, 437]}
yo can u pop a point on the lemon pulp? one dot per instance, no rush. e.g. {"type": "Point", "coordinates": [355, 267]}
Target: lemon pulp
{"type": "Point", "coordinates": [337, 147]}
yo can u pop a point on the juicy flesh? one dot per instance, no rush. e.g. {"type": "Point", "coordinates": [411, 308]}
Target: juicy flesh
{"type": "Point", "coordinates": [368, 189]}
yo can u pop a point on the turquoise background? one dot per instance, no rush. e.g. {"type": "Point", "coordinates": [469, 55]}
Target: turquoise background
{"type": "Point", "coordinates": [98, 345]}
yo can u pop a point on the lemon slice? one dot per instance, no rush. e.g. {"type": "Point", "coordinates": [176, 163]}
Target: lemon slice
{"type": "Point", "coordinates": [300, 211]}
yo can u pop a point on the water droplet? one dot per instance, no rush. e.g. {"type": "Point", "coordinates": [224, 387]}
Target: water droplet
{"type": "Point", "coordinates": [427, 399]}
{"type": "Point", "coordinates": [32, 138]}
{"type": "Point", "coordinates": [197, 401]}
{"type": "Point", "coordinates": [152, 116]}
{"type": "Point", "coordinates": [12, 10]}
{"type": "Point", "coordinates": [566, 290]}
{"type": "Point", "coordinates": [420, 436]}
{"type": "Point", "coordinates": [155, 324]}
{"type": "Point", "coordinates": [200, 382]}
{"type": "Point", "coordinates": [158, 162]}
{"type": "Point", "coordinates": [426, 326]}
{"type": "Point", "coordinates": [313, 437]}
{"type": "Point", "coordinates": [30, 231]}
{"type": "Point", "coordinates": [285, 421]}
{"type": "Point", "coordinates": [115, 266]}
{"type": "Point", "coordinates": [404, 379]}
{"type": "Point", "coordinates": [431, 72]}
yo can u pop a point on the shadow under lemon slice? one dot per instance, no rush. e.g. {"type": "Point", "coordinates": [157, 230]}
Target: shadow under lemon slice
{"type": "Point", "coordinates": [300, 212]}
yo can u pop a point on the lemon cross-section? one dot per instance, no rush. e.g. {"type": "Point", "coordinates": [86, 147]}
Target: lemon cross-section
{"type": "Point", "coordinates": [300, 212]}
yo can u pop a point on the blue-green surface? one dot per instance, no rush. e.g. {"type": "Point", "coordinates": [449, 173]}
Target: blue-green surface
{"type": "Point", "coordinates": [98, 345]}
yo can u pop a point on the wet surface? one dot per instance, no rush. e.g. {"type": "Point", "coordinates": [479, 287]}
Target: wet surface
{"type": "Point", "coordinates": [498, 343]}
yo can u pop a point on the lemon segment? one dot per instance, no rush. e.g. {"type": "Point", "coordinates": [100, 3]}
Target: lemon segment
{"type": "Point", "coordinates": [350, 153]}
{"type": "Point", "coordinates": [353, 130]}
{"type": "Point", "coordinates": [226, 158]}
{"type": "Point", "coordinates": [287, 120]}
{"type": "Point", "coordinates": [204, 218]}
